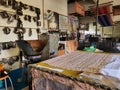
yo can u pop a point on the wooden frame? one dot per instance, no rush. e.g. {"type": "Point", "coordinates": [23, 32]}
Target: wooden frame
{"type": "Point", "coordinates": [84, 26]}
{"type": "Point", "coordinates": [63, 22]}
{"type": "Point", "coordinates": [116, 10]}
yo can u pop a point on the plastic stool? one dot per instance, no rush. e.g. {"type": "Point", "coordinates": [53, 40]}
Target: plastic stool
{"type": "Point", "coordinates": [4, 78]}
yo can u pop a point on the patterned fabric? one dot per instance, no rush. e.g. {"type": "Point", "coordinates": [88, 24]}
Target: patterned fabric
{"type": "Point", "coordinates": [81, 61]}
{"type": "Point", "coordinates": [46, 81]}
{"type": "Point", "coordinates": [78, 65]}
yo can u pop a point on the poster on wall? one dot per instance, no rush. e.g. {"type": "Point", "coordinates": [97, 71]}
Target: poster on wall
{"type": "Point", "coordinates": [63, 22]}
{"type": "Point", "coordinates": [73, 23]}
{"type": "Point", "coordinates": [53, 23]}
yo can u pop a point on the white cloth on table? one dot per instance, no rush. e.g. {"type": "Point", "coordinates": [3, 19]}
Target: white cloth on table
{"type": "Point", "coordinates": [113, 68]}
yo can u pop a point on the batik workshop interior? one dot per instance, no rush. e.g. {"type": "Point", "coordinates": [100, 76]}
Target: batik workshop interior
{"type": "Point", "coordinates": [59, 44]}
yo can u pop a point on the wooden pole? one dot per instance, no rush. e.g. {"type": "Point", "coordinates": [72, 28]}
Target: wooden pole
{"type": "Point", "coordinates": [113, 28]}
{"type": "Point", "coordinates": [97, 6]}
{"type": "Point", "coordinates": [102, 31]}
{"type": "Point", "coordinates": [43, 13]}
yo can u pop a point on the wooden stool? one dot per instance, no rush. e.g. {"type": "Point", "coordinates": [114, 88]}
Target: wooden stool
{"type": "Point", "coordinates": [4, 78]}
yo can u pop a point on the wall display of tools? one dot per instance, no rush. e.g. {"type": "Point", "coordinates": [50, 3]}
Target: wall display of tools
{"type": "Point", "coordinates": [8, 29]}
{"type": "Point", "coordinates": [10, 60]}
{"type": "Point", "coordinates": [8, 45]}
{"type": "Point", "coordinates": [18, 8]}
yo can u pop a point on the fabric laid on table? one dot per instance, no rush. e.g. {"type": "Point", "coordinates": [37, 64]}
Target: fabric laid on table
{"type": "Point", "coordinates": [81, 61]}
{"type": "Point", "coordinates": [74, 65]}
{"type": "Point", "coordinates": [63, 71]}
{"type": "Point", "coordinates": [113, 68]}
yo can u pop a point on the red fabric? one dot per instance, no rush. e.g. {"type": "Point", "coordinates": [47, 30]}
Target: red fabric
{"type": "Point", "coordinates": [100, 11]}
{"type": "Point", "coordinates": [105, 10]}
